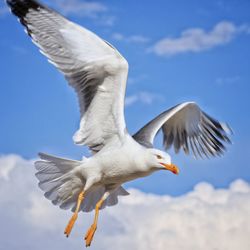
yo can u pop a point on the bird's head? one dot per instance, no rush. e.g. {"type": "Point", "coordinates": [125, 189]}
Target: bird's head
{"type": "Point", "coordinates": [161, 160]}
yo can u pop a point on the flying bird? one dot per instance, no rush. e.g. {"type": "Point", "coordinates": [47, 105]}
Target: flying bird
{"type": "Point", "coordinates": [98, 73]}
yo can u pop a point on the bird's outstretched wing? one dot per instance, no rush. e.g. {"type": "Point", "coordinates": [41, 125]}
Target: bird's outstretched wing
{"type": "Point", "coordinates": [186, 126]}
{"type": "Point", "coordinates": [93, 67]}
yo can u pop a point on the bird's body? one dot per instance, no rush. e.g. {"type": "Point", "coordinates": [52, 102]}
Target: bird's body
{"type": "Point", "coordinates": [106, 170]}
{"type": "Point", "coordinates": [98, 73]}
{"type": "Point", "coordinates": [122, 163]}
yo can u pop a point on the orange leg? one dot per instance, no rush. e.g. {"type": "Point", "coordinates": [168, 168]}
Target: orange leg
{"type": "Point", "coordinates": [75, 215]}
{"type": "Point", "coordinates": [90, 233]}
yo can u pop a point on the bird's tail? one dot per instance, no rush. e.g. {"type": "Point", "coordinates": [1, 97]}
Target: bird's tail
{"type": "Point", "coordinates": [57, 179]}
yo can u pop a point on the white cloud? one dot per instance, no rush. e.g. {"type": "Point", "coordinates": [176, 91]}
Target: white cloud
{"type": "Point", "coordinates": [197, 39]}
{"type": "Point", "coordinates": [205, 218]}
{"type": "Point", "coordinates": [80, 8]}
{"type": "Point", "coordinates": [227, 80]}
{"type": "Point", "coordinates": [130, 39]}
{"type": "Point", "coordinates": [129, 100]}
{"type": "Point", "coordinates": [138, 39]}
{"type": "Point", "coordinates": [118, 36]}
{"type": "Point", "coordinates": [142, 97]}
{"type": "Point", "coordinates": [40, 212]}
{"type": "Point", "coordinates": [106, 20]}
{"type": "Point", "coordinates": [7, 164]}
{"type": "Point", "coordinates": [137, 79]}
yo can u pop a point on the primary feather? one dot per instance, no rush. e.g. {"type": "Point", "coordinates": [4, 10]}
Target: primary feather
{"type": "Point", "coordinates": [186, 126]}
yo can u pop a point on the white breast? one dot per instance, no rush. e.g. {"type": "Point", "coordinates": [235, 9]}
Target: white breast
{"type": "Point", "coordinates": [123, 163]}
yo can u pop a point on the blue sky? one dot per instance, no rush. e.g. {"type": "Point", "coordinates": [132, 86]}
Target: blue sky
{"type": "Point", "coordinates": [177, 51]}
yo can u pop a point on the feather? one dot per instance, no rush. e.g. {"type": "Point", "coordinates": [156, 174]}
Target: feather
{"type": "Point", "coordinates": [186, 124]}
{"type": "Point", "coordinates": [70, 47]}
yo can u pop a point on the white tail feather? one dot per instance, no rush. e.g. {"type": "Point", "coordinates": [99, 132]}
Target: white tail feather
{"type": "Point", "coordinates": [58, 181]}
{"type": "Point", "coordinates": [62, 185]}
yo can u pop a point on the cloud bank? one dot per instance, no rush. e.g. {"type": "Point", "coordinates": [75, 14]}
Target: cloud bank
{"type": "Point", "coordinates": [197, 39]}
{"type": "Point", "coordinates": [205, 218]}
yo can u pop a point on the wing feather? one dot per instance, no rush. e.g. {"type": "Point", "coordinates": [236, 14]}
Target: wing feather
{"type": "Point", "coordinates": [94, 68]}
{"type": "Point", "coordinates": [186, 127]}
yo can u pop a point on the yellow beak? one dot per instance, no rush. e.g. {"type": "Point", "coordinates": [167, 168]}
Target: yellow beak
{"type": "Point", "coordinates": [171, 167]}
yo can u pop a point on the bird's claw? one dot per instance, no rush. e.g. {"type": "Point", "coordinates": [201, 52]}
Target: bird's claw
{"type": "Point", "coordinates": [70, 225]}
{"type": "Point", "coordinates": [90, 234]}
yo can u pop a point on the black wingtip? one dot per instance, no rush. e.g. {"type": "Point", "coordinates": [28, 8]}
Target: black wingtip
{"type": "Point", "coordinates": [20, 8]}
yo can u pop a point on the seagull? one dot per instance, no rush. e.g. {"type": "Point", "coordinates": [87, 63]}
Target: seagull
{"type": "Point", "coordinates": [98, 73]}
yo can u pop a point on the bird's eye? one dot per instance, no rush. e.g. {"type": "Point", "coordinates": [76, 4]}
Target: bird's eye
{"type": "Point", "coordinates": [159, 157]}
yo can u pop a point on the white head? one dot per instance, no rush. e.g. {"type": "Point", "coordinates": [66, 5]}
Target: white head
{"type": "Point", "coordinates": [158, 160]}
